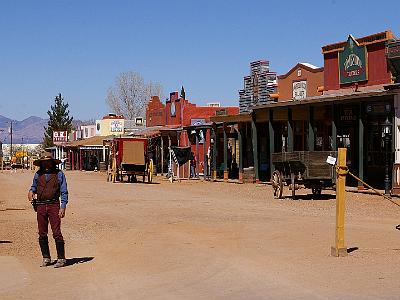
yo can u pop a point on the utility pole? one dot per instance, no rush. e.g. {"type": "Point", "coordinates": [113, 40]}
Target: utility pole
{"type": "Point", "coordinates": [11, 139]}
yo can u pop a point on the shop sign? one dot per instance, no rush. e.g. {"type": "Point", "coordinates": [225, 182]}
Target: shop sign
{"type": "Point", "coordinates": [378, 108]}
{"type": "Point", "coordinates": [347, 115]}
{"type": "Point", "coordinates": [173, 109]}
{"type": "Point", "coordinates": [254, 79]}
{"type": "Point", "coordinates": [221, 112]}
{"type": "Point", "coordinates": [60, 136]}
{"type": "Point", "coordinates": [353, 62]}
{"type": "Point", "coordinates": [299, 90]}
{"type": "Point", "coordinates": [116, 126]}
{"type": "Point", "coordinates": [393, 50]}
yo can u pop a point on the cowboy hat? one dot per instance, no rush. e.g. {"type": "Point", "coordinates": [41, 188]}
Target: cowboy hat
{"type": "Point", "coordinates": [46, 156]}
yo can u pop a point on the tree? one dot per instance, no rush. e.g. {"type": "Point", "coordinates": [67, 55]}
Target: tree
{"type": "Point", "coordinates": [130, 95]}
{"type": "Point", "coordinates": [183, 94]}
{"type": "Point", "coordinates": [59, 120]}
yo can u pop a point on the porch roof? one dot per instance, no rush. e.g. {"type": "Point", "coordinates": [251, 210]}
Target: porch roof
{"type": "Point", "coordinates": [342, 95]}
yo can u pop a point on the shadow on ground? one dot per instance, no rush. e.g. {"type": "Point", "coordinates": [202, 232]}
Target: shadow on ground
{"type": "Point", "coordinates": [78, 260]}
{"type": "Point", "coordinates": [5, 242]}
{"type": "Point", "coordinates": [352, 249]}
{"type": "Point", "coordinates": [313, 197]}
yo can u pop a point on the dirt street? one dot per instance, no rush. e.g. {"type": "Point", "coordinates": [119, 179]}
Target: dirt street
{"type": "Point", "coordinates": [196, 240]}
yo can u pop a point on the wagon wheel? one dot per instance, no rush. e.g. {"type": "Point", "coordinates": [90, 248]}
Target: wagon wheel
{"type": "Point", "coordinates": [150, 171]}
{"type": "Point", "coordinates": [277, 184]}
{"type": "Point", "coordinates": [292, 181]}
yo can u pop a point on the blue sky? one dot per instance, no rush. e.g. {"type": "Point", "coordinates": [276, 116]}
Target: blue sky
{"type": "Point", "coordinates": [79, 47]}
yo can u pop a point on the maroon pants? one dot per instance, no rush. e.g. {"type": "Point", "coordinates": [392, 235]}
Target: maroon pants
{"type": "Point", "coordinates": [46, 213]}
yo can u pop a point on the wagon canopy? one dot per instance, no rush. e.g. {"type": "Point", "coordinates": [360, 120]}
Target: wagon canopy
{"type": "Point", "coordinates": [183, 154]}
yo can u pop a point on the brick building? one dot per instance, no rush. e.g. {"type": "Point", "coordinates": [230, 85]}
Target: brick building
{"type": "Point", "coordinates": [302, 81]}
{"type": "Point", "coordinates": [179, 114]}
{"type": "Point", "coordinates": [357, 63]}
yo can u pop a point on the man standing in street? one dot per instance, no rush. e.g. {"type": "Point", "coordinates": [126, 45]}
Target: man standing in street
{"type": "Point", "coordinates": [49, 184]}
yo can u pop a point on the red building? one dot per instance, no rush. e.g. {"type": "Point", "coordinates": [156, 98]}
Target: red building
{"type": "Point", "coordinates": [358, 63]}
{"type": "Point", "coordinates": [178, 113]}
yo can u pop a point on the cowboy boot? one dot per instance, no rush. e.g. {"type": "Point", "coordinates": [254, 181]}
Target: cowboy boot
{"type": "Point", "coordinates": [61, 261]}
{"type": "Point", "coordinates": [44, 248]}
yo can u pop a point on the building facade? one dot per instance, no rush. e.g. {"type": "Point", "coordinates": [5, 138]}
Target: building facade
{"type": "Point", "coordinates": [258, 86]}
{"type": "Point", "coordinates": [302, 81]}
{"type": "Point", "coordinates": [359, 102]}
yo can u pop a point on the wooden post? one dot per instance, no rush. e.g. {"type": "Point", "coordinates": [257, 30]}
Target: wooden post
{"type": "Point", "coordinates": [225, 154]}
{"type": "Point", "coordinates": [205, 163]}
{"type": "Point", "coordinates": [162, 155]}
{"type": "Point", "coordinates": [254, 138]}
{"type": "Point", "coordinates": [240, 141]}
{"type": "Point", "coordinates": [271, 131]}
{"type": "Point", "coordinates": [311, 133]}
{"type": "Point", "coordinates": [340, 249]}
{"type": "Point", "coordinates": [334, 130]}
{"type": "Point", "coordinates": [290, 140]}
{"type": "Point", "coordinates": [360, 147]}
{"type": "Point", "coordinates": [214, 154]}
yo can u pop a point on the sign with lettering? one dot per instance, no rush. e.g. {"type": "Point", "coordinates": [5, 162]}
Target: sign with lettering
{"type": "Point", "coordinates": [299, 90]}
{"type": "Point", "coordinates": [116, 126]}
{"type": "Point", "coordinates": [60, 136]}
{"type": "Point", "coordinates": [393, 50]}
{"type": "Point", "coordinates": [353, 62]}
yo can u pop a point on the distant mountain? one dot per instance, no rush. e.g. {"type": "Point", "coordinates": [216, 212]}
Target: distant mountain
{"type": "Point", "coordinates": [30, 129]}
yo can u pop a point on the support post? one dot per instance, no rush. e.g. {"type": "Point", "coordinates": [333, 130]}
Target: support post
{"type": "Point", "coordinates": [271, 140]}
{"type": "Point", "coordinates": [162, 155]}
{"type": "Point", "coordinates": [240, 141]}
{"type": "Point", "coordinates": [255, 147]}
{"type": "Point", "coordinates": [205, 163]}
{"type": "Point", "coordinates": [334, 130]}
{"type": "Point", "coordinates": [290, 142]}
{"type": "Point", "coordinates": [340, 249]}
{"type": "Point", "coordinates": [360, 148]}
{"type": "Point", "coordinates": [214, 156]}
{"type": "Point", "coordinates": [197, 154]}
{"type": "Point", "coordinates": [311, 133]}
{"type": "Point", "coordinates": [225, 154]}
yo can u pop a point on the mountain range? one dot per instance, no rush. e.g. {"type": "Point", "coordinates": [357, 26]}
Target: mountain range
{"type": "Point", "coordinates": [31, 130]}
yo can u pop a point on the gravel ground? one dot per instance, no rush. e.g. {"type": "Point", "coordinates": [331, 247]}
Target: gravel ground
{"type": "Point", "coordinates": [198, 240]}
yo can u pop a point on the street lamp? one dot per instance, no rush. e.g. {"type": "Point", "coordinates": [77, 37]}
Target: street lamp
{"type": "Point", "coordinates": [387, 130]}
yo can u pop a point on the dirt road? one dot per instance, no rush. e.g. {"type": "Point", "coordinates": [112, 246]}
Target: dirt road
{"type": "Point", "coordinates": [195, 240]}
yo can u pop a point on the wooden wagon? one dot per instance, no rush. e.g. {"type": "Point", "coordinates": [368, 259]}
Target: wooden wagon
{"type": "Point", "coordinates": [307, 168]}
{"type": "Point", "coordinates": [130, 158]}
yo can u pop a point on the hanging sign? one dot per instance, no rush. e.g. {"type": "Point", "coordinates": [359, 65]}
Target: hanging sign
{"type": "Point", "coordinates": [353, 62]}
{"type": "Point", "coordinates": [299, 90]}
{"type": "Point", "coordinates": [60, 136]}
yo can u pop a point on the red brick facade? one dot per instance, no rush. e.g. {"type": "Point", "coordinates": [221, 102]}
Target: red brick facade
{"type": "Point", "coordinates": [312, 77]}
{"type": "Point", "coordinates": [179, 111]}
{"type": "Point", "coordinates": [377, 70]}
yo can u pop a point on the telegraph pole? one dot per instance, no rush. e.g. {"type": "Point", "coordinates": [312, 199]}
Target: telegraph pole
{"type": "Point", "coordinates": [11, 139]}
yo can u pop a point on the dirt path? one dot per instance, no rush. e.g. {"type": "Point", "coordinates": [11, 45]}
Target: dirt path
{"type": "Point", "coordinates": [195, 240]}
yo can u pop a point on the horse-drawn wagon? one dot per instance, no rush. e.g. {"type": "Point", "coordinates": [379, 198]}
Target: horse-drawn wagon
{"type": "Point", "coordinates": [307, 168]}
{"type": "Point", "coordinates": [130, 158]}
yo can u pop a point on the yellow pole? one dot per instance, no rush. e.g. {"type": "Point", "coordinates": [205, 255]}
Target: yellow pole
{"type": "Point", "coordinates": [340, 249]}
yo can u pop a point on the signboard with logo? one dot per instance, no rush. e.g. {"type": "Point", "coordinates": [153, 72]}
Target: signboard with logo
{"type": "Point", "coordinates": [116, 126]}
{"type": "Point", "coordinates": [353, 62]}
{"type": "Point", "coordinates": [173, 109]}
{"type": "Point", "coordinates": [60, 136]}
{"type": "Point", "coordinates": [299, 89]}
{"type": "Point", "coordinates": [393, 50]}
{"type": "Point", "coordinates": [198, 122]}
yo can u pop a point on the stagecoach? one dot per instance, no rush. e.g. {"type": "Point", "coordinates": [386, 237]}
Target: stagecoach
{"type": "Point", "coordinates": [129, 158]}
{"type": "Point", "coordinates": [302, 168]}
